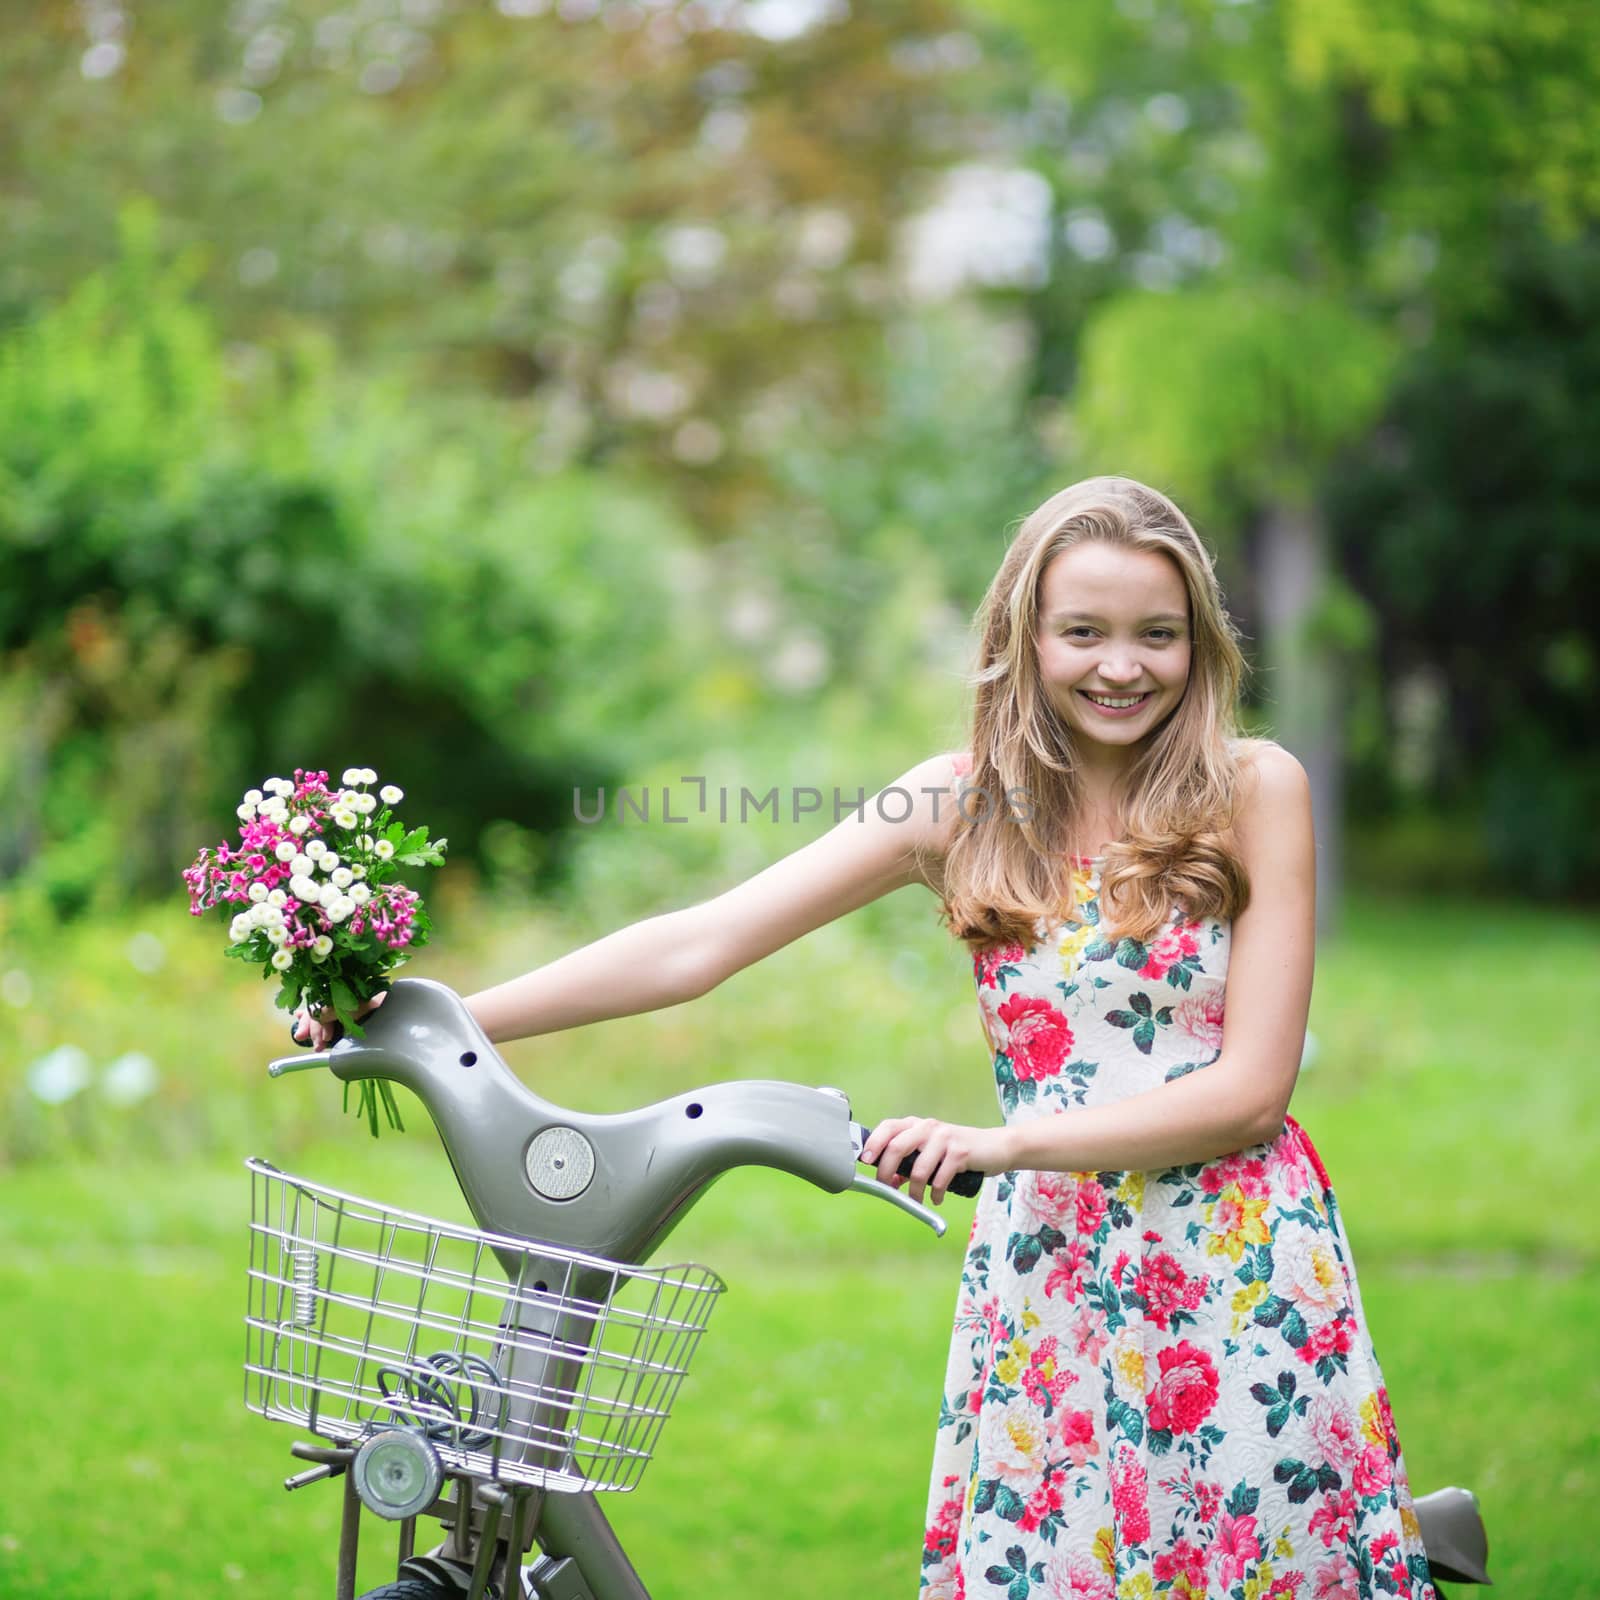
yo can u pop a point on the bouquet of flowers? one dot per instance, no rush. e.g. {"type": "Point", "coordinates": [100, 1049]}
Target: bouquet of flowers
{"type": "Point", "coordinates": [311, 892]}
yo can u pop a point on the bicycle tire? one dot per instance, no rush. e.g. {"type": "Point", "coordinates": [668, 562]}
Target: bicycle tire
{"type": "Point", "coordinates": [412, 1589]}
{"type": "Point", "coordinates": [415, 1588]}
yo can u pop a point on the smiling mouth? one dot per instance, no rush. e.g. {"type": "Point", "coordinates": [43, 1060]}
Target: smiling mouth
{"type": "Point", "coordinates": [1116, 702]}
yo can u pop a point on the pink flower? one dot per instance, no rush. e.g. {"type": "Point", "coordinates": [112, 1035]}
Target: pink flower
{"type": "Point", "coordinates": [1067, 1275]}
{"type": "Point", "coordinates": [1236, 1544]}
{"type": "Point", "coordinates": [1078, 1436]}
{"type": "Point", "coordinates": [1165, 1287]}
{"type": "Point", "coordinates": [1039, 1037]}
{"type": "Point", "coordinates": [1044, 1381]}
{"type": "Point", "coordinates": [1075, 1577]}
{"type": "Point", "coordinates": [1170, 949]}
{"type": "Point", "coordinates": [1183, 1557]}
{"type": "Point", "coordinates": [1130, 1498]}
{"type": "Point", "coordinates": [1045, 1200]}
{"type": "Point", "coordinates": [1373, 1472]}
{"type": "Point", "coordinates": [1334, 1339]}
{"type": "Point", "coordinates": [987, 963]}
{"type": "Point", "coordinates": [1332, 1519]}
{"type": "Point", "coordinates": [1336, 1430]}
{"type": "Point", "coordinates": [1337, 1579]}
{"type": "Point", "coordinates": [1200, 1015]}
{"type": "Point", "coordinates": [1044, 1500]}
{"type": "Point", "coordinates": [1089, 1336]}
{"type": "Point", "coordinates": [1091, 1206]}
{"type": "Point", "coordinates": [1248, 1172]}
{"type": "Point", "coordinates": [943, 1530]}
{"type": "Point", "coordinates": [1186, 1389]}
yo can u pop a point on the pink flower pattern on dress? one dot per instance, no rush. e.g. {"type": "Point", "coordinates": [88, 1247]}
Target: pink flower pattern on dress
{"type": "Point", "coordinates": [1160, 1383]}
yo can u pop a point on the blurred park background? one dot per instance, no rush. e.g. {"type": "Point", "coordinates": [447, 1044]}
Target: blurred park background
{"type": "Point", "coordinates": [533, 397]}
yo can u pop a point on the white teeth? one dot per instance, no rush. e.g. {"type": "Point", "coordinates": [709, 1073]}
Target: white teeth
{"type": "Point", "coordinates": [1103, 700]}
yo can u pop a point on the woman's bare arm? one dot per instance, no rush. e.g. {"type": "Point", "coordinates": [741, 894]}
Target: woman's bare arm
{"type": "Point", "coordinates": [1242, 1097]}
{"type": "Point", "coordinates": [680, 955]}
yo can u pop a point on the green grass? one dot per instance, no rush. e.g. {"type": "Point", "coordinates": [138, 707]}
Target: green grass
{"type": "Point", "coordinates": [1453, 1096]}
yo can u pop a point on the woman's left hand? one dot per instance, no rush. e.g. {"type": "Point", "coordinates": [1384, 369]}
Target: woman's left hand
{"type": "Point", "coordinates": [946, 1149]}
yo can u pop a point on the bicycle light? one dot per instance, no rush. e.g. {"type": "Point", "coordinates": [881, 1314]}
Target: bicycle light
{"type": "Point", "coordinates": [397, 1474]}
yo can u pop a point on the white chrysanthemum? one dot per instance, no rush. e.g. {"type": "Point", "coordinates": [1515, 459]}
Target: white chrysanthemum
{"type": "Point", "coordinates": [284, 850]}
{"type": "Point", "coordinates": [343, 877]}
{"type": "Point", "coordinates": [278, 935]}
{"type": "Point", "coordinates": [274, 806]}
{"type": "Point", "coordinates": [316, 848]}
{"type": "Point", "coordinates": [298, 825]}
{"type": "Point", "coordinates": [1014, 1440]}
{"type": "Point", "coordinates": [365, 841]}
{"type": "Point", "coordinates": [390, 795]}
{"type": "Point", "coordinates": [368, 775]}
{"type": "Point", "coordinates": [1126, 1359]}
{"type": "Point", "coordinates": [302, 867]}
{"type": "Point", "coordinates": [327, 895]}
{"type": "Point", "coordinates": [258, 916]}
{"type": "Point", "coordinates": [383, 850]}
{"type": "Point", "coordinates": [345, 819]}
{"type": "Point", "coordinates": [245, 813]}
{"type": "Point", "coordinates": [282, 960]}
{"type": "Point", "coordinates": [320, 947]}
{"type": "Point", "coordinates": [350, 775]}
{"type": "Point", "coordinates": [253, 797]}
{"type": "Point", "coordinates": [278, 786]}
{"type": "Point", "coordinates": [258, 892]}
{"type": "Point", "coordinates": [340, 909]}
{"type": "Point", "coordinates": [358, 872]}
{"type": "Point", "coordinates": [240, 929]}
{"type": "Point", "coordinates": [360, 894]}
{"type": "Point", "coordinates": [329, 861]}
{"type": "Point", "coordinates": [278, 898]}
{"type": "Point", "coordinates": [273, 916]}
{"type": "Point", "coordinates": [366, 804]}
{"type": "Point", "coordinates": [303, 888]}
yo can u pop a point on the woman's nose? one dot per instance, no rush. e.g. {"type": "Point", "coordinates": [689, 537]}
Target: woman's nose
{"type": "Point", "coordinates": [1120, 669]}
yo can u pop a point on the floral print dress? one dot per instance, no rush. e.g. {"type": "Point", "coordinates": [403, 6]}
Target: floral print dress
{"type": "Point", "coordinates": [1160, 1383]}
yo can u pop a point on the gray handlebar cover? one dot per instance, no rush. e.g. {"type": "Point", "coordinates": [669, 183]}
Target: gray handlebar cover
{"type": "Point", "coordinates": [612, 1185]}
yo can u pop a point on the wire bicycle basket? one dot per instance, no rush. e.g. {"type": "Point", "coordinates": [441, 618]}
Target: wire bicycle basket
{"type": "Point", "coordinates": [517, 1360]}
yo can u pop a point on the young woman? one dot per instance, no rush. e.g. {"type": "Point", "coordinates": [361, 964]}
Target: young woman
{"type": "Point", "coordinates": [1160, 1379]}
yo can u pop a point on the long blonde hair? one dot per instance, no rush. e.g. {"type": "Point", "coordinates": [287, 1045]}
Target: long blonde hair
{"type": "Point", "coordinates": [1008, 867]}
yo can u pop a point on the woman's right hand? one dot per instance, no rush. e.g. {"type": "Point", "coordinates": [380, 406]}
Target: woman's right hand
{"type": "Point", "coordinates": [321, 1030]}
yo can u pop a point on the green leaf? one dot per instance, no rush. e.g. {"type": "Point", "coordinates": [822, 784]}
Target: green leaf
{"type": "Point", "coordinates": [1144, 1036]}
{"type": "Point", "coordinates": [1122, 1019]}
{"type": "Point", "coordinates": [1009, 1505]}
{"type": "Point", "coordinates": [1140, 1003]}
{"type": "Point", "coordinates": [1131, 954]}
{"type": "Point", "coordinates": [1243, 1501]}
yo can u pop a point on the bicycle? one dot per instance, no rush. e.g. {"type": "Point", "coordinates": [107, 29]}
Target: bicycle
{"type": "Point", "coordinates": [499, 1379]}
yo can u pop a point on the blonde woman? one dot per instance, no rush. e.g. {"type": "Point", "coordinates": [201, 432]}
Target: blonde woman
{"type": "Point", "coordinates": [1160, 1378]}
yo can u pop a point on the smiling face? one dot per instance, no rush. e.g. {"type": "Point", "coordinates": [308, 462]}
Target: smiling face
{"type": "Point", "coordinates": [1114, 642]}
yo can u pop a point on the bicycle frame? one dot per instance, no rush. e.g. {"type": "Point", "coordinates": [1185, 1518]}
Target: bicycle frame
{"type": "Point", "coordinates": [561, 1196]}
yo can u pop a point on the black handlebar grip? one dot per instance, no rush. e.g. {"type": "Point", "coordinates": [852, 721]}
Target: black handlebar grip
{"type": "Point", "coordinates": [965, 1184]}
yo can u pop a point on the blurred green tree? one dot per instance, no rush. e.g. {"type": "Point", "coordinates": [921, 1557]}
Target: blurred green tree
{"type": "Point", "coordinates": [1271, 212]}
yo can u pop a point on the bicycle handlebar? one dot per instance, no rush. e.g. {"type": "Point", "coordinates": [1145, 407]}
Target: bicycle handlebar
{"type": "Point", "coordinates": [611, 1185]}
